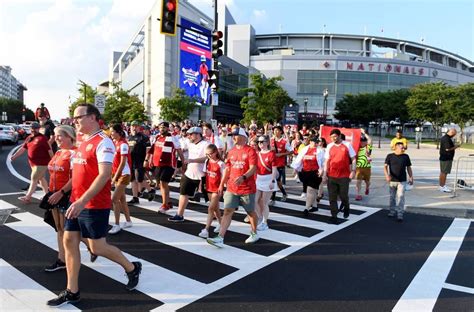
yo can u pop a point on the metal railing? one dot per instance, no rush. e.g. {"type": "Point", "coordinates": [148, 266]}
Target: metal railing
{"type": "Point", "coordinates": [464, 174]}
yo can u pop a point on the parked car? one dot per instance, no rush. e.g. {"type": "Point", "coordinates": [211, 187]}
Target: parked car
{"type": "Point", "coordinates": [8, 134]}
{"type": "Point", "coordinates": [27, 128]}
{"type": "Point", "coordinates": [19, 129]}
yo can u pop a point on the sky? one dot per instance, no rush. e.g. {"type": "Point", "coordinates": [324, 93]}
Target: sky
{"type": "Point", "coordinates": [51, 44]}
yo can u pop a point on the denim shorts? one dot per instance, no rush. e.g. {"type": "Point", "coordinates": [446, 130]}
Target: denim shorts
{"type": "Point", "coordinates": [232, 200]}
{"type": "Point", "coordinates": [92, 223]}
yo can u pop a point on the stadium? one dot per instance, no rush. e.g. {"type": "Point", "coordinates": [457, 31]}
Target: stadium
{"type": "Point", "coordinates": [153, 64]}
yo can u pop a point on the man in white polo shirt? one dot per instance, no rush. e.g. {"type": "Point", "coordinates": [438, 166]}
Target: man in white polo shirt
{"type": "Point", "coordinates": [194, 172]}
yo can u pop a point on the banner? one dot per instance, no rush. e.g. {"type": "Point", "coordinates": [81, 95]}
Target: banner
{"type": "Point", "coordinates": [352, 135]}
{"type": "Point", "coordinates": [290, 115]}
{"type": "Point", "coordinates": [195, 60]}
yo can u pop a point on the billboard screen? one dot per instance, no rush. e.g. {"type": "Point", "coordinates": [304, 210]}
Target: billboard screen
{"type": "Point", "coordinates": [195, 59]}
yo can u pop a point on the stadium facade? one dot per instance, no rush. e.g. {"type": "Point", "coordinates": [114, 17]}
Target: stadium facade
{"type": "Point", "coordinates": [152, 64]}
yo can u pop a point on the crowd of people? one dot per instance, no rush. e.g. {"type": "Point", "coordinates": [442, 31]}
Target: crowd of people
{"type": "Point", "coordinates": [91, 165]}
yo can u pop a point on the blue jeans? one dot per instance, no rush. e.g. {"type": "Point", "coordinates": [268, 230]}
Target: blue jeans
{"type": "Point", "coordinates": [397, 198]}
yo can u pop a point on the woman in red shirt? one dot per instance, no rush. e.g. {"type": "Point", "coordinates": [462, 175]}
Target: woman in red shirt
{"type": "Point", "coordinates": [214, 168]}
{"type": "Point", "coordinates": [266, 176]}
{"type": "Point", "coordinates": [121, 176]}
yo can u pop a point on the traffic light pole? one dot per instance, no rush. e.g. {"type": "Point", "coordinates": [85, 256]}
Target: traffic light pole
{"type": "Point", "coordinates": [215, 63]}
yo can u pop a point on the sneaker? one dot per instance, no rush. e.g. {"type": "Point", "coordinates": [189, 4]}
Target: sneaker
{"type": "Point", "coordinates": [247, 219]}
{"type": "Point", "coordinates": [318, 199]}
{"type": "Point", "coordinates": [252, 238]}
{"type": "Point", "coordinates": [306, 212]}
{"type": "Point", "coordinates": [133, 201]}
{"type": "Point", "coordinates": [217, 241]}
{"type": "Point", "coordinates": [204, 233]}
{"type": "Point", "coordinates": [134, 276]}
{"type": "Point", "coordinates": [313, 209]}
{"type": "Point", "coordinates": [217, 228]}
{"type": "Point", "coordinates": [366, 191]}
{"type": "Point", "coordinates": [271, 203]}
{"type": "Point", "coordinates": [164, 208]}
{"type": "Point", "coordinates": [303, 195]}
{"type": "Point", "coordinates": [358, 197]}
{"type": "Point", "coordinates": [58, 265]}
{"type": "Point", "coordinates": [263, 226]}
{"type": "Point", "coordinates": [151, 195]}
{"type": "Point", "coordinates": [127, 224]}
{"type": "Point", "coordinates": [63, 298]}
{"type": "Point", "coordinates": [115, 229]}
{"type": "Point", "coordinates": [346, 214]}
{"type": "Point", "coordinates": [445, 189]}
{"type": "Point", "coordinates": [176, 218]}
{"type": "Point", "coordinates": [399, 219]}
{"type": "Point", "coordinates": [283, 198]}
{"type": "Point", "coordinates": [391, 214]}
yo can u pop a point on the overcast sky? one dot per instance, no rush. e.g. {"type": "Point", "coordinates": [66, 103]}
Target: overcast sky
{"type": "Point", "coordinates": [50, 44]}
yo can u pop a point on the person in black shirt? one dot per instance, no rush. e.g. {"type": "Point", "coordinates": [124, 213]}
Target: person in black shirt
{"type": "Point", "coordinates": [138, 143]}
{"type": "Point", "coordinates": [396, 166]}
{"type": "Point", "coordinates": [446, 156]}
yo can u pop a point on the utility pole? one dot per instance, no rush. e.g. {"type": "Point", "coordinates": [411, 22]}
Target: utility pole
{"type": "Point", "coordinates": [215, 63]}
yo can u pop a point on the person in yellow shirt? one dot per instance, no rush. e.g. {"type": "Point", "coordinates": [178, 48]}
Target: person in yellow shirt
{"type": "Point", "coordinates": [399, 138]}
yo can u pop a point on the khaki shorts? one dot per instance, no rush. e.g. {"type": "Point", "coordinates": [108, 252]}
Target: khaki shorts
{"type": "Point", "coordinates": [445, 166]}
{"type": "Point", "coordinates": [38, 172]}
{"type": "Point", "coordinates": [123, 180]}
{"type": "Point", "coordinates": [363, 174]}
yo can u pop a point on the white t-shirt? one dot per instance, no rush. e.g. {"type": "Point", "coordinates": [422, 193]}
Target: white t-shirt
{"type": "Point", "coordinates": [195, 171]}
{"type": "Point", "coordinates": [216, 140]}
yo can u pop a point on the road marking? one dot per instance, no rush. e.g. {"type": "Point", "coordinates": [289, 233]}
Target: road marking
{"type": "Point", "coordinates": [459, 288]}
{"type": "Point", "coordinates": [21, 293]}
{"type": "Point", "coordinates": [12, 193]}
{"type": "Point", "coordinates": [424, 290]}
{"type": "Point", "coordinates": [10, 166]}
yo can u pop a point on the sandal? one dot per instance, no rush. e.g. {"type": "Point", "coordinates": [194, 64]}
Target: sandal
{"type": "Point", "coordinates": [25, 200]}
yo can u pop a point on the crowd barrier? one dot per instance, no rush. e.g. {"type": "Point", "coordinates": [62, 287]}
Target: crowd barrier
{"type": "Point", "coordinates": [464, 174]}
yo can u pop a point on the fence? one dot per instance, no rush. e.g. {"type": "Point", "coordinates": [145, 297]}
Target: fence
{"type": "Point", "coordinates": [464, 174]}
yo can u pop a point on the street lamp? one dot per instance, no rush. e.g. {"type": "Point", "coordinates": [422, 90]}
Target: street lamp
{"type": "Point", "coordinates": [438, 103]}
{"type": "Point", "coordinates": [305, 106]}
{"type": "Point", "coordinates": [325, 105]}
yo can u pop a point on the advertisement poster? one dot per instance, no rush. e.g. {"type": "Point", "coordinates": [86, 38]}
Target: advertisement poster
{"type": "Point", "coordinates": [195, 59]}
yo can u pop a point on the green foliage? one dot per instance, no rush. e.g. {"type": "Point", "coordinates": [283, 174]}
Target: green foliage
{"type": "Point", "coordinates": [121, 106]}
{"type": "Point", "coordinates": [86, 94]}
{"type": "Point", "coordinates": [429, 102]}
{"type": "Point", "coordinates": [14, 110]}
{"type": "Point", "coordinates": [178, 107]}
{"type": "Point", "coordinates": [264, 100]}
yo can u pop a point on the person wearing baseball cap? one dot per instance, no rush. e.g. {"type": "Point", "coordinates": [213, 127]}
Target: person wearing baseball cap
{"type": "Point", "coordinates": [240, 168]}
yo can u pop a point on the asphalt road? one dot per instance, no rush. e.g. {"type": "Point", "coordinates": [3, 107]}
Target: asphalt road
{"type": "Point", "coordinates": [366, 263]}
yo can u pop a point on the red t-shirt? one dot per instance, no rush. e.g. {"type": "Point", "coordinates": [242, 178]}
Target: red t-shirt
{"type": "Point", "coordinates": [122, 149]}
{"type": "Point", "coordinates": [60, 169]}
{"type": "Point", "coordinates": [38, 149]}
{"type": "Point", "coordinates": [214, 170]}
{"type": "Point", "coordinates": [310, 161]}
{"type": "Point", "coordinates": [239, 161]}
{"type": "Point", "coordinates": [339, 156]}
{"type": "Point", "coordinates": [268, 159]}
{"type": "Point", "coordinates": [96, 149]}
{"type": "Point", "coordinates": [280, 146]}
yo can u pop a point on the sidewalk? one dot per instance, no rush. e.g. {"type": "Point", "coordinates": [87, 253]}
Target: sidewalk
{"type": "Point", "coordinates": [424, 198]}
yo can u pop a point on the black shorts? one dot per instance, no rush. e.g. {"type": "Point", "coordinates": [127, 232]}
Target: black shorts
{"type": "Point", "coordinates": [138, 173]}
{"type": "Point", "coordinates": [281, 172]}
{"type": "Point", "coordinates": [310, 178]}
{"type": "Point", "coordinates": [164, 174]}
{"type": "Point", "coordinates": [188, 186]}
{"type": "Point", "coordinates": [92, 223]}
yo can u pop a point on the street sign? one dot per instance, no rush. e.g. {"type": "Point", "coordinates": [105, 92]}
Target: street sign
{"type": "Point", "coordinates": [99, 102]}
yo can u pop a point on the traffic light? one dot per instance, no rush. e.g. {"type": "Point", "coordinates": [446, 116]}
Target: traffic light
{"type": "Point", "coordinates": [217, 44]}
{"type": "Point", "coordinates": [169, 15]}
{"type": "Point", "coordinates": [213, 79]}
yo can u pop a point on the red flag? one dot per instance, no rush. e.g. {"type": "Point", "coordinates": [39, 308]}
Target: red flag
{"type": "Point", "coordinates": [352, 135]}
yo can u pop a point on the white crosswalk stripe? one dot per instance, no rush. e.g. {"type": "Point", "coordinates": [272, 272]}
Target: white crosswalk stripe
{"type": "Point", "coordinates": [175, 290]}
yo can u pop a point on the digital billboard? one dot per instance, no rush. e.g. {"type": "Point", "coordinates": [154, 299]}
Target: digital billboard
{"type": "Point", "coordinates": [195, 61]}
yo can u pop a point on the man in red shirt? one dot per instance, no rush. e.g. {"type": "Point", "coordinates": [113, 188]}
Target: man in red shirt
{"type": "Point", "coordinates": [340, 168]}
{"type": "Point", "coordinates": [162, 155]}
{"type": "Point", "coordinates": [39, 155]}
{"type": "Point", "coordinates": [88, 215]}
{"type": "Point", "coordinates": [240, 167]}
{"type": "Point", "coordinates": [282, 148]}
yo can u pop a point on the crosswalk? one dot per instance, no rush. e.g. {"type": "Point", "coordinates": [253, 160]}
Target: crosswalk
{"type": "Point", "coordinates": [178, 266]}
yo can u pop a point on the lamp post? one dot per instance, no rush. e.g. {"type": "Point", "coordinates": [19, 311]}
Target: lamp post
{"type": "Point", "coordinates": [325, 104]}
{"type": "Point", "coordinates": [305, 109]}
{"type": "Point", "coordinates": [438, 103]}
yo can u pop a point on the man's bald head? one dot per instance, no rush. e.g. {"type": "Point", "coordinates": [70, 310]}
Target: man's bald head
{"type": "Point", "coordinates": [451, 132]}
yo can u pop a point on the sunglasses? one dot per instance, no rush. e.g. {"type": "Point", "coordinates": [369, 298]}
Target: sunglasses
{"type": "Point", "coordinates": [76, 118]}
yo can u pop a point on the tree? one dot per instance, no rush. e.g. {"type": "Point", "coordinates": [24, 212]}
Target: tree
{"type": "Point", "coordinates": [86, 92]}
{"type": "Point", "coordinates": [460, 105]}
{"type": "Point", "coordinates": [178, 107]}
{"type": "Point", "coordinates": [14, 109]}
{"type": "Point", "coordinates": [264, 100]}
{"type": "Point", "coordinates": [122, 106]}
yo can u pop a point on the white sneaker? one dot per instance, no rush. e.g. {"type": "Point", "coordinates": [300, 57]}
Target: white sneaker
{"type": "Point", "coordinates": [217, 228]}
{"type": "Point", "coordinates": [115, 229]}
{"type": "Point", "coordinates": [127, 224]}
{"type": "Point", "coordinates": [283, 198]}
{"type": "Point", "coordinates": [204, 233]}
{"type": "Point", "coordinates": [303, 195]}
{"type": "Point", "coordinates": [252, 238]}
{"type": "Point", "coordinates": [445, 189]}
{"type": "Point", "coordinates": [217, 241]}
{"type": "Point", "coordinates": [247, 219]}
{"type": "Point", "coordinates": [262, 226]}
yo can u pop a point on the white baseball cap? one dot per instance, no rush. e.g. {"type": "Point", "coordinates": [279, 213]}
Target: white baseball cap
{"type": "Point", "coordinates": [239, 131]}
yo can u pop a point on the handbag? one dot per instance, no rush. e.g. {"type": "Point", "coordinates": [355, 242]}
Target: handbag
{"type": "Point", "coordinates": [49, 219]}
{"type": "Point", "coordinates": [44, 204]}
{"type": "Point", "coordinates": [62, 203]}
